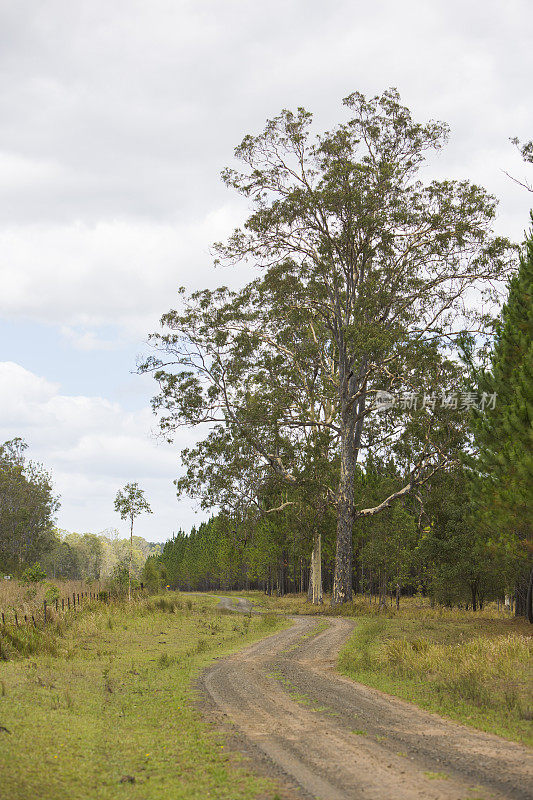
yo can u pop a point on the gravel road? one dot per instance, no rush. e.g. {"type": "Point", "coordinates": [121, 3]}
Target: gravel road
{"type": "Point", "coordinates": [339, 740]}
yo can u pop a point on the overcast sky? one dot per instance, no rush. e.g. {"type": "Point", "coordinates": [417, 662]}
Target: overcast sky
{"type": "Point", "coordinates": [117, 118]}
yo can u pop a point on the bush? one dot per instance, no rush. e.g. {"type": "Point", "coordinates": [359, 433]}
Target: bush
{"type": "Point", "coordinates": [52, 593]}
{"type": "Point", "coordinates": [33, 574]}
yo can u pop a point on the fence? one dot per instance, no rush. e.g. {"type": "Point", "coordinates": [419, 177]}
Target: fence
{"type": "Point", "coordinates": [62, 604]}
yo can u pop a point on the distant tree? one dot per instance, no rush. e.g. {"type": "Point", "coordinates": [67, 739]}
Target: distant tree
{"type": "Point", "coordinates": [130, 503]}
{"type": "Point", "coordinates": [62, 560]}
{"type": "Point", "coordinates": [27, 508]}
{"type": "Point", "coordinates": [153, 573]}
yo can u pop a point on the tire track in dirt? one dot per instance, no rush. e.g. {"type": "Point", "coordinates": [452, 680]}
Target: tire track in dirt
{"type": "Point", "coordinates": [340, 740]}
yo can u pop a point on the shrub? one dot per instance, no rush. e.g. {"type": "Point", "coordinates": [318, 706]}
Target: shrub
{"type": "Point", "coordinates": [33, 574]}
{"type": "Point", "coordinates": [52, 593]}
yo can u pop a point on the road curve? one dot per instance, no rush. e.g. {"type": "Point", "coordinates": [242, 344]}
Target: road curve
{"type": "Point", "coordinates": [340, 740]}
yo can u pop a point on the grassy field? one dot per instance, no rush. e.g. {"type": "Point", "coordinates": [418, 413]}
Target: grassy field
{"type": "Point", "coordinates": [102, 709]}
{"type": "Point", "coordinates": [27, 597]}
{"type": "Point", "coordinates": [474, 671]}
{"type": "Point", "coordinates": [474, 667]}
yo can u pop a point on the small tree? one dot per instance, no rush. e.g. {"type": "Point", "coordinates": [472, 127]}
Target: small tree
{"type": "Point", "coordinates": [130, 502]}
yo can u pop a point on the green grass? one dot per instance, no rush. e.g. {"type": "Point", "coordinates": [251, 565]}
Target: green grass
{"type": "Point", "coordinates": [476, 671]}
{"type": "Point", "coordinates": [102, 708]}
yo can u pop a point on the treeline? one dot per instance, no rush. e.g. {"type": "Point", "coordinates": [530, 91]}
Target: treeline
{"type": "Point", "coordinates": [446, 555]}
{"type": "Point", "coordinates": [32, 545]}
{"type": "Point", "coordinates": [90, 556]}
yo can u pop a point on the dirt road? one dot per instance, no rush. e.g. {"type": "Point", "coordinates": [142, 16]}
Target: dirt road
{"type": "Point", "coordinates": [342, 741]}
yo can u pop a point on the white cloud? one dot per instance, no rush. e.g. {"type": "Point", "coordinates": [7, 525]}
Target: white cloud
{"type": "Point", "coordinates": [116, 120]}
{"type": "Point", "coordinates": [86, 339]}
{"type": "Point", "coordinates": [92, 447]}
{"type": "Point", "coordinates": [115, 272]}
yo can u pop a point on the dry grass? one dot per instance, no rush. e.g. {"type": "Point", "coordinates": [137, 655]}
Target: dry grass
{"type": "Point", "coordinates": [410, 607]}
{"type": "Point", "coordinates": [477, 671]}
{"type": "Point", "coordinates": [25, 598]}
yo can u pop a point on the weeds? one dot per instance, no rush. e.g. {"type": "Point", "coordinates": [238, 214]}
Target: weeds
{"type": "Point", "coordinates": [165, 660]}
{"type": "Point", "coordinates": [471, 674]}
{"type": "Point", "coordinates": [269, 621]}
{"type": "Point", "coordinates": [24, 598]}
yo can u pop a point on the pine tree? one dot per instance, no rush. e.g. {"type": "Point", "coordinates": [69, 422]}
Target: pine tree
{"type": "Point", "coordinates": [504, 434]}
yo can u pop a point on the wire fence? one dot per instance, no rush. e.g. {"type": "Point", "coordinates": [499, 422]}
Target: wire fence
{"type": "Point", "coordinates": [45, 613]}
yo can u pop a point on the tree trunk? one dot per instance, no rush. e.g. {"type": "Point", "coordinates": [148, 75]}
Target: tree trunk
{"type": "Point", "coordinates": [474, 597]}
{"type": "Point", "coordinates": [522, 593]}
{"type": "Point", "coordinates": [382, 590]}
{"type": "Point", "coordinates": [315, 578]}
{"type": "Point", "coordinates": [351, 431]}
{"type": "Point", "coordinates": [130, 560]}
{"type": "Point", "coordinates": [529, 598]}
{"type": "Point", "coordinates": [342, 580]}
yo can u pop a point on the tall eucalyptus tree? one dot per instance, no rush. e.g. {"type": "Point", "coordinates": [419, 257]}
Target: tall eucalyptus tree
{"type": "Point", "coordinates": [369, 273]}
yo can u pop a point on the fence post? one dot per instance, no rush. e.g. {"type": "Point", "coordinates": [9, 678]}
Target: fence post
{"type": "Point", "coordinates": [57, 604]}
{"type": "Point", "coordinates": [44, 611]}
{"type": "Point", "coordinates": [74, 598]}
{"type": "Point", "coordinates": [33, 620]}
{"type": "Point", "coordinates": [16, 620]}
{"type": "Point", "coordinates": [68, 603]}
{"type": "Point", "coordinates": [3, 620]}
{"type": "Point", "coordinates": [62, 604]}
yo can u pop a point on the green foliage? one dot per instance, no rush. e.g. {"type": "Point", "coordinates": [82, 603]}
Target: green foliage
{"type": "Point", "coordinates": [34, 574]}
{"type": "Point", "coordinates": [153, 574]}
{"type": "Point", "coordinates": [130, 502]}
{"type": "Point", "coordinates": [27, 508]}
{"type": "Point", "coordinates": [462, 561]}
{"type": "Point", "coordinates": [368, 274]}
{"type": "Point", "coordinates": [120, 579]}
{"type": "Point", "coordinates": [503, 470]}
{"type": "Point", "coordinates": [52, 593]}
